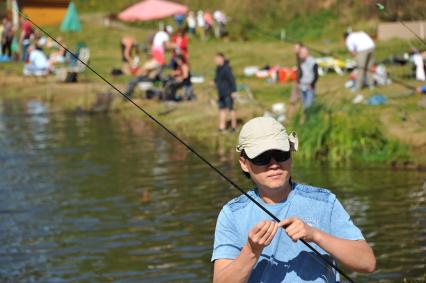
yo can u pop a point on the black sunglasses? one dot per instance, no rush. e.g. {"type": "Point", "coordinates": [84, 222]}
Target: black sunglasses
{"type": "Point", "coordinates": [266, 157]}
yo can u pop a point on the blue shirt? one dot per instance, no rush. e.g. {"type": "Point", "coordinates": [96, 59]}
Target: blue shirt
{"type": "Point", "coordinates": [284, 260]}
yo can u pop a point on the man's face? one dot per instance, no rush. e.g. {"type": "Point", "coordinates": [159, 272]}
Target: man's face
{"type": "Point", "coordinates": [303, 53]}
{"type": "Point", "coordinates": [296, 48]}
{"type": "Point", "coordinates": [272, 176]}
{"type": "Point", "coordinates": [218, 60]}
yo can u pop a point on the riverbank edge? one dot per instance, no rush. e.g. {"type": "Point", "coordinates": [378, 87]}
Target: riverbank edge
{"type": "Point", "coordinates": [193, 121]}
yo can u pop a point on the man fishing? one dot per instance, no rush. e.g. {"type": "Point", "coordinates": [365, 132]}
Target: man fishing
{"type": "Point", "coordinates": [361, 46]}
{"type": "Point", "coordinates": [250, 247]}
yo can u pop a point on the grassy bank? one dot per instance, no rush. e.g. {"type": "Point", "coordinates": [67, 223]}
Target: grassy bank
{"type": "Point", "coordinates": [303, 20]}
{"type": "Point", "coordinates": [336, 130]}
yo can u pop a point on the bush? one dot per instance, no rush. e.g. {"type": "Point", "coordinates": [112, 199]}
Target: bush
{"type": "Point", "coordinates": [345, 136]}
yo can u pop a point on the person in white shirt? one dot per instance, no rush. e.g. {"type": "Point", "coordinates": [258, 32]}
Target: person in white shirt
{"type": "Point", "coordinates": [159, 44]}
{"type": "Point", "coordinates": [38, 64]}
{"type": "Point", "coordinates": [220, 22]}
{"type": "Point", "coordinates": [191, 22]}
{"type": "Point", "coordinates": [418, 62]}
{"type": "Point", "coordinates": [362, 48]}
{"type": "Point", "coordinates": [201, 24]}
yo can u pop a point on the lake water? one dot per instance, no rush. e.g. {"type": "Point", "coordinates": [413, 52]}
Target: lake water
{"type": "Point", "coordinates": [104, 199]}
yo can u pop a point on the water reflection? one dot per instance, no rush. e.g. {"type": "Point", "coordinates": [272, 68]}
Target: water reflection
{"type": "Point", "coordinates": [103, 198]}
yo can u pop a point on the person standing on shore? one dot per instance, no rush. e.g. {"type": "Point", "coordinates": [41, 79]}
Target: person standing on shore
{"type": "Point", "coordinates": [191, 23]}
{"type": "Point", "coordinates": [160, 43]}
{"type": "Point", "coordinates": [308, 77]}
{"type": "Point", "coordinates": [250, 247]}
{"type": "Point", "coordinates": [201, 25]}
{"type": "Point", "coordinates": [226, 87]}
{"type": "Point", "coordinates": [25, 37]}
{"type": "Point", "coordinates": [295, 93]}
{"type": "Point", "coordinates": [361, 46]}
{"type": "Point", "coordinates": [7, 37]}
{"type": "Point", "coordinates": [129, 50]}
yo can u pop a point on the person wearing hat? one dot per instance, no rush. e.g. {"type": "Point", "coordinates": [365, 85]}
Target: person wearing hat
{"type": "Point", "coordinates": [250, 247]}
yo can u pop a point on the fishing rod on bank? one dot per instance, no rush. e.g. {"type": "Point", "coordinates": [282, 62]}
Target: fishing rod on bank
{"type": "Point", "coordinates": [382, 9]}
{"type": "Point", "coordinates": [190, 148]}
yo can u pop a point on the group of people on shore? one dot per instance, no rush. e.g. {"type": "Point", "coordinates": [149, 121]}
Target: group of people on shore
{"type": "Point", "coordinates": [361, 47]}
{"type": "Point", "coordinates": [203, 24]}
{"type": "Point", "coordinates": [163, 41]}
{"type": "Point", "coordinates": [23, 43]}
{"type": "Point", "coordinates": [179, 76]}
{"type": "Point", "coordinates": [15, 39]}
{"type": "Point", "coordinates": [359, 44]}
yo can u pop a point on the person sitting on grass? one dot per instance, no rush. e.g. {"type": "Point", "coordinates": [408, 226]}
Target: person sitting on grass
{"type": "Point", "coordinates": [150, 72]}
{"type": "Point", "coordinates": [421, 89]}
{"type": "Point", "coordinates": [58, 56]}
{"type": "Point", "coordinates": [38, 64]}
{"type": "Point", "coordinates": [179, 46]}
{"type": "Point", "coordinates": [249, 246]}
{"type": "Point", "coordinates": [180, 78]}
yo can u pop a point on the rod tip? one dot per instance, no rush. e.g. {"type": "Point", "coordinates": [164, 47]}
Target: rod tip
{"type": "Point", "coordinates": [380, 6]}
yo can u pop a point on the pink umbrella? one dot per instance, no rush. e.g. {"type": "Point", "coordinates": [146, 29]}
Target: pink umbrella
{"type": "Point", "coordinates": [152, 10]}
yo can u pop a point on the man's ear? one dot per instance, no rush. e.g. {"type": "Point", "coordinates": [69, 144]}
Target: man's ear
{"type": "Point", "coordinates": [244, 164]}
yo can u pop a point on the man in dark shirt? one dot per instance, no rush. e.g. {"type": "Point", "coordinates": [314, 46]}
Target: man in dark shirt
{"type": "Point", "coordinates": [226, 86]}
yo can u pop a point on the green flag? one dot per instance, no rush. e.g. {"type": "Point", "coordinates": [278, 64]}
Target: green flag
{"type": "Point", "coordinates": [71, 21]}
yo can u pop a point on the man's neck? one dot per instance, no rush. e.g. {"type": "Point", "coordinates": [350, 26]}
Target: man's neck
{"type": "Point", "coordinates": [274, 196]}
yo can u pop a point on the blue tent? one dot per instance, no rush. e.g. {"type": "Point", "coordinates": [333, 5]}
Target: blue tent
{"type": "Point", "coordinates": [71, 20]}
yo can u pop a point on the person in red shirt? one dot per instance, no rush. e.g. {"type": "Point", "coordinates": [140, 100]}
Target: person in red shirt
{"type": "Point", "coordinates": [180, 46]}
{"type": "Point", "coordinates": [27, 32]}
{"type": "Point", "coordinates": [208, 18]}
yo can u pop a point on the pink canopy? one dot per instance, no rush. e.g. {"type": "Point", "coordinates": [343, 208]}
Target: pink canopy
{"type": "Point", "coordinates": [152, 10]}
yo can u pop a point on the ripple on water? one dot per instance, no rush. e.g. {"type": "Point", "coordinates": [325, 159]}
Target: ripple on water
{"type": "Point", "coordinates": [101, 199]}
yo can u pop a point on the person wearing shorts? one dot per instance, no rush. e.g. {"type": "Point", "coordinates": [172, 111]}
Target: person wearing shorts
{"type": "Point", "coordinates": [226, 102]}
{"type": "Point", "coordinates": [226, 87]}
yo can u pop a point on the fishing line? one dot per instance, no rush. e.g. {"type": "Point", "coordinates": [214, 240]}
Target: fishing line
{"type": "Point", "coordinates": [381, 8]}
{"type": "Point", "coordinates": [325, 260]}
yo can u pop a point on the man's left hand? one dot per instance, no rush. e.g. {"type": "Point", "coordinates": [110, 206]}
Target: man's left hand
{"type": "Point", "coordinates": [297, 229]}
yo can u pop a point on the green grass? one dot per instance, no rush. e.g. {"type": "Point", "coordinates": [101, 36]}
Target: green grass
{"type": "Point", "coordinates": [312, 27]}
{"type": "Point", "coordinates": [303, 20]}
{"type": "Point", "coordinates": [343, 136]}
{"type": "Point", "coordinates": [336, 130]}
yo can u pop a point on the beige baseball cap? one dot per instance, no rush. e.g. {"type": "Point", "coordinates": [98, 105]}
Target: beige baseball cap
{"type": "Point", "coordinates": [265, 133]}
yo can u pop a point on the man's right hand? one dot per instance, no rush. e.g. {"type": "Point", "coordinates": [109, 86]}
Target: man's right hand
{"type": "Point", "coordinates": [238, 270]}
{"type": "Point", "coordinates": [261, 236]}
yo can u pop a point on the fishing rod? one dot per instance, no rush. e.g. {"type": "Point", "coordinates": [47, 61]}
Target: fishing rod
{"type": "Point", "coordinates": [382, 9]}
{"type": "Point", "coordinates": [189, 147]}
